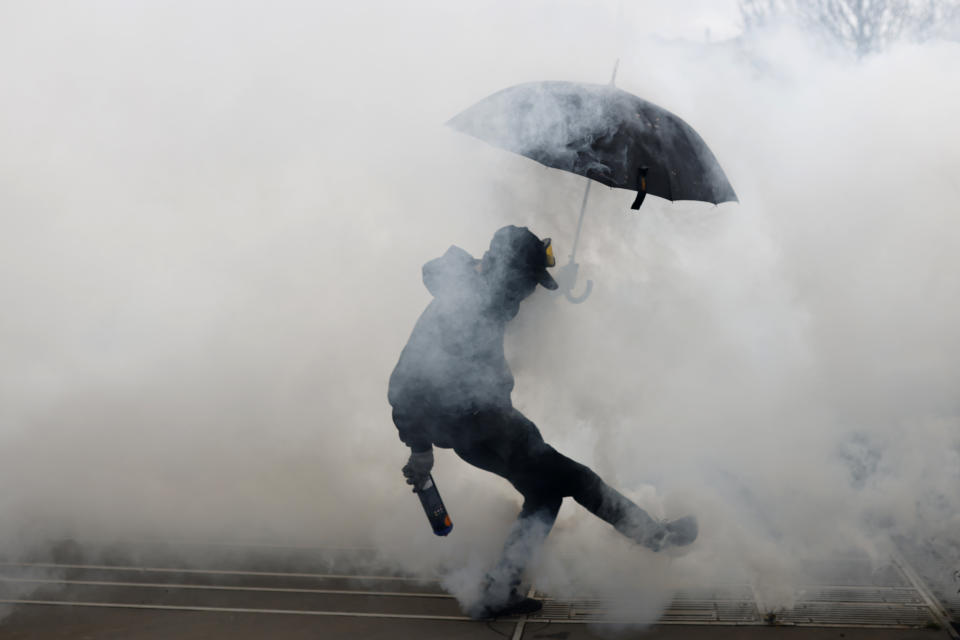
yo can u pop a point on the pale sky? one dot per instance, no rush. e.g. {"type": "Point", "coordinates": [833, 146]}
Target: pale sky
{"type": "Point", "coordinates": [688, 19]}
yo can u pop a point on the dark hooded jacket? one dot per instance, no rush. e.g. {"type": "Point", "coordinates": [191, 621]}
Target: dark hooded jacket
{"type": "Point", "coordinates": [453, 364]}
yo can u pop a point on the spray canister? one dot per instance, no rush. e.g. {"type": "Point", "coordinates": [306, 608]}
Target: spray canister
{"type": "Point", "coordinates": [433, 507]}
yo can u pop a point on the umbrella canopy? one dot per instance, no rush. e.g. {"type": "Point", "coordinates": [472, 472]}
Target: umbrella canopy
{"type": "Point", "coordinates": [603, 133]}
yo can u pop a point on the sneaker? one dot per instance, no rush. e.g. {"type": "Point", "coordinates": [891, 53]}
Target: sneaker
{"type": "Point", "coordinates": [680, 532]}
{"type": "Point", "coordinates": [674, 533]}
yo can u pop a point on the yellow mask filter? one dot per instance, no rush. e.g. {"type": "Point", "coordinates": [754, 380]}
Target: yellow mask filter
{"type": "Point", "coordinates": [551, 261]}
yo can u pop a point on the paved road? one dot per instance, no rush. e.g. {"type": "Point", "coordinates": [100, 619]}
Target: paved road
{"type": "Point", "coordinates": [206, 592]}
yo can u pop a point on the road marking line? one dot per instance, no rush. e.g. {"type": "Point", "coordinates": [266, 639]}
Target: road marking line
{"type": "Point", "coordinates": [306, 612]}
{"type": "Point", "coordinates": [406, 616]}
{"type": "Point", "coordinates": [246, 544]}
{"type": "Point", "coordinates": [226, 572]}
{"type": "Point", "coordinates": [211, 587]}
{"type": "Point", "coordinates": [518, 630]}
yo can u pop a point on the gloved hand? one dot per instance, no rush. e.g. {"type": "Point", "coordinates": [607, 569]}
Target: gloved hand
{"type": "Point", "coordinates": [418, 468]}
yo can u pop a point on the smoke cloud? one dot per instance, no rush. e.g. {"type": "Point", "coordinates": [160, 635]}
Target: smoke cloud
{"type": "Point", "coordinates": [214, 219]}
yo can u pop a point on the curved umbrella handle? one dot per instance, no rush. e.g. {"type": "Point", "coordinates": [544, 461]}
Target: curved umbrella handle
{"type": "Point", "coordinates": [567, 278]}
{"type": "Point", "coordinates": [578, 299]}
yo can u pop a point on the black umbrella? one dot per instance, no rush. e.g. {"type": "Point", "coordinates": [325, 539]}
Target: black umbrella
{"type": "Point", "coordinates": [603, 133]}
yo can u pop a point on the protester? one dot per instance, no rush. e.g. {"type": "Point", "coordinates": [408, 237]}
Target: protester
{"type": "Point", "coordinates": [451, 389]}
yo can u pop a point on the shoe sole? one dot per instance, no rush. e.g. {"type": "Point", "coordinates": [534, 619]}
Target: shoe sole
{"type": "Point", "coordinates": [523, 607]}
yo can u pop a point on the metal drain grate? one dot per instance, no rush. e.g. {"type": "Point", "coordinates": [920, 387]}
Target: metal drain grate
{"type": "Point", "coordinates": [742, 592]}
{"type": "Point", "coordinates": [731, 609]}
{"type": "Point", "coordinates": [831, 614]}
{"type": "Point", "coordinates": [890, 595]}
{"type": "Point", "coordinates": [952, 603]}
{"type": "Point", "coordinates": [816, 605]}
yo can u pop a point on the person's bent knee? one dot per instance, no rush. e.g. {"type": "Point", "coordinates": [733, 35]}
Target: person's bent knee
{"type": "Point", "coordinates": [546, 506]}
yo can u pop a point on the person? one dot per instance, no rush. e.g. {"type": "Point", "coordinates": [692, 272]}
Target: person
{"type": "Point", "coordinates": [451, 388]}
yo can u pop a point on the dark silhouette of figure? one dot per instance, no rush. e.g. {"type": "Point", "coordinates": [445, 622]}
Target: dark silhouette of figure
{"type": "Point", "coordinates": [451, 389]}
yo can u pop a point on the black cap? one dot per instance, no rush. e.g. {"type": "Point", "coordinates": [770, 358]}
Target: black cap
{"type": "Point", "coordinates": [520, 249]}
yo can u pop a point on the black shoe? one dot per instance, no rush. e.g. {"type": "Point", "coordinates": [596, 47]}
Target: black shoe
{"type": "Point", "coordinates": [517, 605]}
{"type": "Point", "coordinates": [680, 532]}
{"type": "Point", "coordinates": [673, 533]}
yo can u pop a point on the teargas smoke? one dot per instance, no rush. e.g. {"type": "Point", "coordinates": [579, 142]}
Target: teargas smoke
{"type": "Point", "coordinates": [214, 219]}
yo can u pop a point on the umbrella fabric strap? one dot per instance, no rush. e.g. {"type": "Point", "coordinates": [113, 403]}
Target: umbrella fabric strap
{"type": "Point", "coordinates": [641, 187]}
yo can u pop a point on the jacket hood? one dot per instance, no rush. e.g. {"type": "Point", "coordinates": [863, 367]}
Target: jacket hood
{"type": "Point", "coordinates": [452, 274]}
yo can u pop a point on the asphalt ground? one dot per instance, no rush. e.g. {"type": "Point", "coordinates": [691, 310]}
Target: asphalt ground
{"type": "Point", "coordinates": [183, 591]}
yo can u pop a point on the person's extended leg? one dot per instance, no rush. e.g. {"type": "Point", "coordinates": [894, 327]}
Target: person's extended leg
{"type": "Point", "coordinates": [588, 489]}
{"type": "Point", "coordinates": [508, 444]}
{"type": "Point", "coordinates": [551, 473]}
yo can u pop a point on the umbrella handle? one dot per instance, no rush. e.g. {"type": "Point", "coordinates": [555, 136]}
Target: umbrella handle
{"type": "Point", "coordinates": [583, 296]}
{"type": "Point", "coordinates": [567, 278]}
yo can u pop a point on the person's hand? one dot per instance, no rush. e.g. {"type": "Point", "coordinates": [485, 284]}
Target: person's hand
{"type": "Point", "coordinates": [418, 468]}
{"type": "Point", "coordinates": [566, 276]}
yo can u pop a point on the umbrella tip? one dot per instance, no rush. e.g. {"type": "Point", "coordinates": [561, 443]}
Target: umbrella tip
{"type": "Point", "coordinates": [613, 78]}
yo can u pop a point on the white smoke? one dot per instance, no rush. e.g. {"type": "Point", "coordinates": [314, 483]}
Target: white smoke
{"type": "Point", "coordinates": [213, 222]}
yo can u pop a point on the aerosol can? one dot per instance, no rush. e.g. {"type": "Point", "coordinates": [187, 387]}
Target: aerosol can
{"type": "Point", "coordinates": [433, 507]}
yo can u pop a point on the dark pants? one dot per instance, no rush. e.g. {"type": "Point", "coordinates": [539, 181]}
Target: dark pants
{"type": "Point", "coordinates": [505, 442]}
